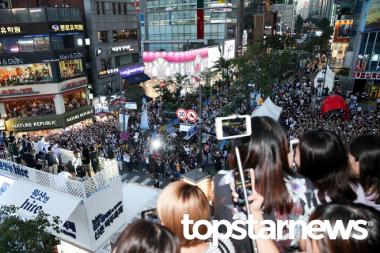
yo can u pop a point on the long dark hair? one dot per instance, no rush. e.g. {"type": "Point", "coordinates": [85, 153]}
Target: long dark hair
{"type": "Point", "coordinates": [366, 150]}
{"type": "Point", "coordinates": [324, 160]}
{"type": "Point", "coordinates": [345, 213]}
{"type": "Point", "coordinates": [267, 152]}
{"type": "Point", "coordinates": [146, 237]}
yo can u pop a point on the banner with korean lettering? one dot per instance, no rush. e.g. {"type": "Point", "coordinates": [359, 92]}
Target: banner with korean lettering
{"type": "Point", "coordinates": [105, 213]}
{"type": "Point", "coordinates": [200, 23]}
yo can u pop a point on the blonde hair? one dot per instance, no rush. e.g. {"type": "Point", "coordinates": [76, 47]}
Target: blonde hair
{"type": "Point", "coordinates": [180, 198]}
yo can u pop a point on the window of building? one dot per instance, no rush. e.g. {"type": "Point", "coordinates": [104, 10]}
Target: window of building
{"type": "Point", "coordinates": [78, 40]}
{"type": "Point", "coordinates": [123, 35]}
{"type": "Point", "coordinates": [102, 37]}
{"type": "Point", "coordinates": [30, 107]}
{"type": "Point", "coordinates": [114, 8]}
{"type": "Point", "coordinates": [105, 64]}
{"type": "Point", "coordinates": [97, 8]}
{"type": "Point", "coordinates": [103, 8]}
{"type": "Point", "coordinates": [37, 15]}
{"type": "Point", "coordinates": [42, 43]}
{"type": "Point", "coordinates": [126, 59]}
{"type": "Point", "coordinates": [74, 100]}
{"type": "Point", "coordinates": [125, 8]}
{"type": "Point", "coordinates": [71, 68]}
{"type": "Point", "coordinates": [119, 8]}
{"type": "Point", "coordinates": [10, 46]}
{"type": "Point", "coordinates": [25, 74]}
{"type": "Point", "coordinates": [20, 15]}
{"type": "Point", "coordinates": [26, 45]}
{"type": "Point", "coordinates": [1, 48]}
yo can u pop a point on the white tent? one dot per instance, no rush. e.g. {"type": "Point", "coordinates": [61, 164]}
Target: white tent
{"type": "Point", "coordinates": [268, 108]}
{"type": "Point", "coordinates": [329, 81]}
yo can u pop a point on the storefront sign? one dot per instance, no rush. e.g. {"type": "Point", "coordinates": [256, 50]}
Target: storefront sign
{"type": "Point", "coordinates": [366, 75]}
{"type": "Point", "coordinates": [7, 30]}
{"type": "Point", "coordinates": [21, 91]}
{"type": "Point", "coordinates": [106, 72]}
{"type": "Point", "coordinates": [49, 122]}
{"type": "Point", "coordinates": [14, 169]}
{"type": "Point", "coordinates": [70, 56]}
{"type": "Point", "coordinates": [11, 60]}
{"type": "Point", "coordinates": [78, 115]}
{"type": "Point", "coordinates": [131, 70]}
{"type": "Point", "coordinates": [34, 203]}
{"type": "Point", "coordinates": [74, 84]}
{"type": "Point", "coordinates": [131, 105]}
{"type": "Point", "coordinates": [66, 27]}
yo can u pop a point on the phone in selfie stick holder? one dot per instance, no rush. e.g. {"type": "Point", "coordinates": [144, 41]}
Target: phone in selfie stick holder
{"type": "Point", "coordinates": [241, 174]}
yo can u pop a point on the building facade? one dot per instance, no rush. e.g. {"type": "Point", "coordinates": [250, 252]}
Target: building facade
{"type": "Point", "coordinates": [113, 30]}
{"type": "Point", "coordinates": [363, 57]}
{"type": "Point", "coordinates": [182, 25]}
{"type": "Point", "coordinates": [43, 81]}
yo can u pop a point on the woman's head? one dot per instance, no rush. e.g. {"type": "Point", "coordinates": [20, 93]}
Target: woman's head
{"type": "Point", "coordinates": [146, 237]}
{"type": "Point", "coordinates": [266, 153]}
{"type": "Point", "coordinates": [322, 158]}
{"type": "Point", "coordinates": [346, 213]}
{"type": "Point", "coordinates": [365, 161]}
{"type": "Point", "coordinates": [178, 199]}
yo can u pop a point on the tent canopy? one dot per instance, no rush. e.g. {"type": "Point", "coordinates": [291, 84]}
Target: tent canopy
{"type": "Point", "coordinates": [328, 78]}
{"type": "Point", "coordinates": [333, 103]}
{"type": "Point", "coordinates": [268, 109]}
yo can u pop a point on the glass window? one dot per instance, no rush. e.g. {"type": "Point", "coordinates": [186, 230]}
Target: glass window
{"type": "Point", "coordinates": [30, 107]}
{"type": "Point", "coordinates": [97, 8]}
{"type": "Point", "coordinates": [78, 40]}
{"type": "Point", "coordinates": [56, 42]}
{"type": "Point", "coordinates": [114, 8]}
{"type": "Point", "coordinates": [71, 68]}
{"type": "Point", "coordinates": [119, 8]}
{"type": "Point", "coordinates": [102, 37]}
{"type": "Point", "coordinates": [26, 45]}
{"type": "Point", "coordinates": [25, 74]}
{"type": "Point", "coordinates": [20, 15]}
{"type": "Point", "coordinates": [42, 43]}
{"type": "Point", "coordinates": [75, 14]}
{"type": "Point", "coordinates": [64, 14]}
{"type": "Point", "coordinates": [10, 46]}
{"type": "Point", "coordinates": [6, 16]}
{"type": "Point", "coordinates": [74, 100]}
{"type": "Point", "coordinates": [103, 8]}
{"type": "Point", "coordinates": [53, 14]}
{"type": "Point", "coordinates": [37, 15]}
{"type": "Point", "coordinates": [1, 47]}
{"type": "Point", "coordinates": [125, 8]}
{"type": "Point", "coordinates": [105, 63]}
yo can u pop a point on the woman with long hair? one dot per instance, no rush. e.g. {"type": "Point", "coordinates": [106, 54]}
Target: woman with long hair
{"type": "Point", "coordinates": [364, 157]}
{"type": "Point", "coordinates": [321, 157]}
{"type": "Point", "coordinates": [287, 196]}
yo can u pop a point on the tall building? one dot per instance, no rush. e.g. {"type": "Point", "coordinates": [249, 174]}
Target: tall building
{"type": "Point", "coordinates": [43, 83]}
{"type": "Point", "coordinates": [173, 26]}
{"type": "Point", "coordinates": [286, 16]}
{"type": "Point", "coordinates": [363, 57]}
{"type": "Point", "coordinates": [113, 29]}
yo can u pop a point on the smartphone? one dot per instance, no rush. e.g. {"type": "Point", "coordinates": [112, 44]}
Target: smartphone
{"type": "Point", "coordinates": [239, 189]}
{"type": "Point", "coordinates": [150, 215]}
{"type": "Point", "coordinates": [236, 126]}
{"type": "Point", "coordinates": [293, 143]}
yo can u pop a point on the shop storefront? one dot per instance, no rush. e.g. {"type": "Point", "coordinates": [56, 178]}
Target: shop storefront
{"type": "Point", "coordinates": [29, 106]}
{"type": "Point", "coordinates": [133, 74]}
{"type": "Point", "coordinates": [49, 121]}
{"type": "Point", "coordinates": [25, 74]}
{"type": "Point", "coordinates": [74, 99]}
{"type": "Point", "coordinates": [69, 69]}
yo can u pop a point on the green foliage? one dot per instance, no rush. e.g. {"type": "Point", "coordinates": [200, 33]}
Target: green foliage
{"type": "Point", "coordinates": [29, 236]}
{"type": "Point", "coordinates": [299, 25]}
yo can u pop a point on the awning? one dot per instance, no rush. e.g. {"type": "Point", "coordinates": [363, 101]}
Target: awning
{"type": "Point", "coordinates": [32, 198]}
{"type": "Point", "coordinates": [137, 78]}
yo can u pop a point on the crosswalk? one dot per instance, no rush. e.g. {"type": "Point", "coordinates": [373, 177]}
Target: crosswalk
{"type": "Point", "coordinates": [140, 178]}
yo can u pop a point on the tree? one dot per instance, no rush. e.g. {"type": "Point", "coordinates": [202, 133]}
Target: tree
{"type": "Point", "coordinates": [18, 235]}
{"type": "Point", "coordinates": [299, 25]}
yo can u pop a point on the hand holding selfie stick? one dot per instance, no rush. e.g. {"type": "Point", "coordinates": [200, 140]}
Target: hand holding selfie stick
{"type": "Point", "coordinates": [241, 173]}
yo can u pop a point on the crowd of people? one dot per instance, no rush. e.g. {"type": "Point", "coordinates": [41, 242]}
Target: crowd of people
{"type": "Point", "coordinates": [26, 74]}
{"type": "Point", "coordinates": [30, 108]}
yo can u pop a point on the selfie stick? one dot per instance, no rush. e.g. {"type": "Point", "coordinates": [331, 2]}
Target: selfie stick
{"type": "Point", "coordinates": [255, 250]}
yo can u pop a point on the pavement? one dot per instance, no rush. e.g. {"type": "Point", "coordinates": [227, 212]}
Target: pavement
{"type": "Point", "coordinates": [142, 178]}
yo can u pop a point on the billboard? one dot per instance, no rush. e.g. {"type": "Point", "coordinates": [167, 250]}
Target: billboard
{"type": "Point", "coordinates": [229, 49]}
{"type": "Point", "coordinates": [372, 22]}
{"type": "Point", "coordinates": [342, 31]}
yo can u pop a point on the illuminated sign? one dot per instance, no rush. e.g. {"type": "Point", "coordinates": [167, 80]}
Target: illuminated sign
{"type": "Point", "coordinates": [342, 31]}
{"type": "Point", "coordinates": [67, 28]}
{"type": "Point", "coordinates": [10, 30]}
{"type": "Point", "coordinates": [13, 60]}
{"type": "Point", "coordinates": [366, 75]}
{"type": "Point", "coordinates": [131, 70]}
{"type": "Point", "coordinates": [74, 84]}
{"type": "Point", "coordinates": [107, 72]}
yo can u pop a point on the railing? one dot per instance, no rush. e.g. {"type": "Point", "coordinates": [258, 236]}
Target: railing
{"type": "Point", "coordinates": [71, 187]}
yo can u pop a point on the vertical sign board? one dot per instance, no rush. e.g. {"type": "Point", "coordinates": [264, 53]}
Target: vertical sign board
{"type": "Point", "coordinates": [200, 19]}
{"type": "Point", "coordinates": [105, 213]}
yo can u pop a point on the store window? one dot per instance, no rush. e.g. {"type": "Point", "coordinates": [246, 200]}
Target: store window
{"type": "Point", "coordinates": [26, 45]}
{"type": "Point", "coordinates": [25, 74]}
{"type": "Point", "coordinates": [30, 107]}
{"type": "Point", "coordinates": [37, 15]}
{"type": "Point", "coordinates": [123, 35]}
{"type": "Point", "coordinates": [71, 68]}
{"type": "Point", "coordinates": [20, 15]}
{"type": "Point", "coordinates": [74, 100]}
{"type": "Point", "coordinates": [102, 37]}
{"type": "Point", "coordinates": [10, 45]}
{"type": "Point", "coordinates": [42, 43]}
